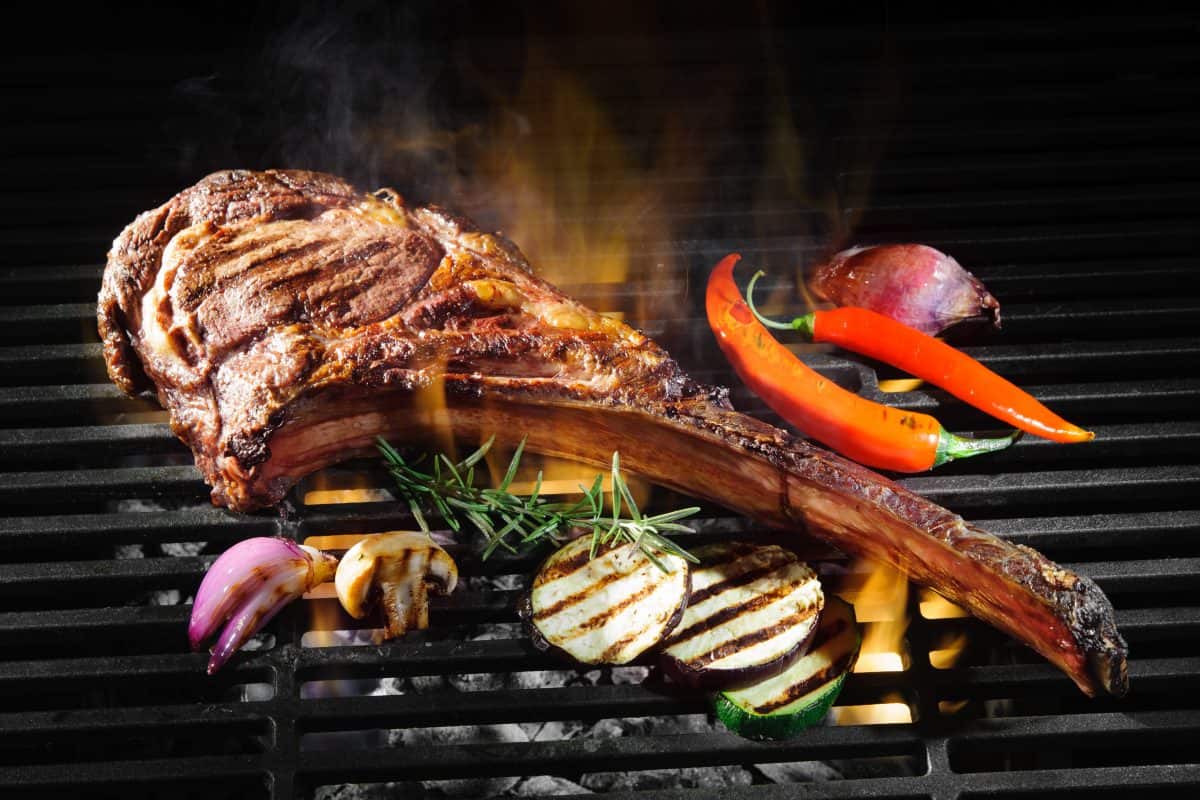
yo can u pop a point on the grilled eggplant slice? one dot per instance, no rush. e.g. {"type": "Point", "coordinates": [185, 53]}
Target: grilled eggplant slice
{"type": "Point", "coordinates": [608, 609]}
{"type": "Point", "coordinates": [752, 612]}
{"type": "Point", "coordinates": [801, 696]}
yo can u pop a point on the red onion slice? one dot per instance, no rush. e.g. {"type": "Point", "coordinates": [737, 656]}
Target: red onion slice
{"type": "Point", "coordinates": [247, 586]}
{"type": "Point", "coordinates": [912, 283]}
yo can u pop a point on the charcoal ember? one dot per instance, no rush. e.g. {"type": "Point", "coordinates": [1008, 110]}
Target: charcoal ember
{"type": "Point", "coordinates": [182, 549]}
{"type": "Point", "coordinates": [370, 791]}
{"type": "Point", "coordinates": [481, 681]}
{"type": "Point", "coordinates": [684, 723]}
{"type": "Point", "coordinates": [125, 552]}
{"type": "Point", "coordinates": [428, 683]}
{"type": "Point", "coordinates": [352, 791]}
{"type": "Point", "coordinates": [506, 733]}
{"type": "Point", "coordinates": [541, 679]}
{"type": "Point", "coordinates": [388, 686]}
{"type": "Point", "coordinates": [625, 676]}
{"type": "Point", "coordinates": [656, 726]}
{"type": "Point", "coordinates": [799, 772]}
{"type": "Point", "coordinates": [881, 767]}
{"type": "Point", "coordinates": [552, 731]}
{"type": "Point", "coordinates": [707, 778]}
{"type": "Point", "coordinates": [477, 681]}
{"type": "Point", "coordinates": [611, 728]}
{"type": "Point", "coordinates": [502, 583]}
{"type": "Point", "coordinates": [547, 786]}
{"type": "Point", "coordinates": [165, 597]}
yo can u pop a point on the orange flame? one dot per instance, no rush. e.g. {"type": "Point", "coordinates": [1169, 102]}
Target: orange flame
{"type": "Point", "coordinates": [879, 594]}
{"type": "Point", "coordinates": [880, 597]}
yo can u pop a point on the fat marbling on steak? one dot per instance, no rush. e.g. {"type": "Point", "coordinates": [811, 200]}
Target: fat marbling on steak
{"type": "Point", "coordinates": [285, 319]}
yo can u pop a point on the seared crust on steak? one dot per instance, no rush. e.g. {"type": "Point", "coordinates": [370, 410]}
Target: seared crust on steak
{"type": "Point", "coordinates": [286, 319]}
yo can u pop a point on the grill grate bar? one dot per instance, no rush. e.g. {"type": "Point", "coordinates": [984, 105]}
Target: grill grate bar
{"type": "Point", "coordinates": [977, 492]}
{"type": "Point", "coordinates": [980, 492]}
{"type": "Point", "coordinates": [21, 534]}
{"type": "Point", "coordinates": [137, 773]}
{"type": "Point", "coordinates": [22, 579]}
{"type": "Point", "coordinates": [78, 485]}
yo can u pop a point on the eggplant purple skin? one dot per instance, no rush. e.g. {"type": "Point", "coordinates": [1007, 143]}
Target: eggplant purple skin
{"type": "Point", "coordinates": [525, 613]}
{"type": "Point", "coordinates": [729, 679]}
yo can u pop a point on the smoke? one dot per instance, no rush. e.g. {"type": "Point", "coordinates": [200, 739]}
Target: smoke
{"type": "Point", "coordinates": [337, 78]}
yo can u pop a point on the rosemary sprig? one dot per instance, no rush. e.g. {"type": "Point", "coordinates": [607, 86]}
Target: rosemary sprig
{"type": "Point", "coordinates": [510, 522]}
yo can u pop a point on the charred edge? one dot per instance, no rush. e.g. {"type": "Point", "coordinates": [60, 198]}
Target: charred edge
{"type": "Point", "coordinates": [525, 614]}
{"type": "Point", "coordinates": [730, 612]}
{"type": "Point", "coordinates": [250, 448]}
{"type": "Point", "coordinates": [1095, 629]}
{"type": "Point", "coordinates": [684, 601]}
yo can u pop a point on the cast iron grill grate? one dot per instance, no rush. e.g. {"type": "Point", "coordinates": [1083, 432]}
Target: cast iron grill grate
{"type": "Point", "coordinates": [1069, 185]}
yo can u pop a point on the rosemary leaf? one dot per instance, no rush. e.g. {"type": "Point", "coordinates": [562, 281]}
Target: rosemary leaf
{"type": "Point", "coordinates": [508, 521]}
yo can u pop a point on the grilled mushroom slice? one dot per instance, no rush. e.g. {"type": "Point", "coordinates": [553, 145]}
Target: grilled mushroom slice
{"type": "Point", "coordinates": [608, 609]}
{"type": "Point", "coordinates": [752, 612]}
{"type": "Point", "coordinates": [396, 570]}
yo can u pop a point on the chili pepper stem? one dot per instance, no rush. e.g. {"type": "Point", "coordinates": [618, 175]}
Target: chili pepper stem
{"type": "Point", "coordinates": [802, 324]}
{"type": "Point", "coordinates": [951, 447]}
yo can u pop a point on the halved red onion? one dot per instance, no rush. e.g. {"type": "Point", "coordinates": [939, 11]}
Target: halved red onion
{"type": "Point", "coordinates": [247, 586]}
{"type": "Point", "coordinates": [912, 283]}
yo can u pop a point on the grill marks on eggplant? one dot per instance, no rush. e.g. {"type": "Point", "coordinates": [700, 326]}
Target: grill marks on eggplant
{"type": "Point", "coordinates": [608, 609]}
{"type": "Point", "coordinates": [823, 674]}
{"type": "Point", "coordinates": [752, 611]}
{"type": "Point", "coordinates": [799, 697]}
{"type": "Point", "coordinates": [834, 650]}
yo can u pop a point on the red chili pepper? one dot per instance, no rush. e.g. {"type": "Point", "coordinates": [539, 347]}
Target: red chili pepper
{"type": "Point", "coordinates": [868, 432]}
{"type": "Point", "coordinates": [884, 339]}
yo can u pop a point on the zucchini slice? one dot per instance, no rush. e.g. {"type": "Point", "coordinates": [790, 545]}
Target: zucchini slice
{"type": "Point", "coordinates": [608, 609]}
{"type": "Point", "coordinates": [800, 697]}
{"type": "Point", "coordinates": [752, 612]}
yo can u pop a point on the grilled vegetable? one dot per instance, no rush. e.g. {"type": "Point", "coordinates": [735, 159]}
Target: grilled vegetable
{"type": "Point", "coordinates": [868, 432]}
{"type": "Point", "coordinates": [397, 570]}
{"type": "Point", "coordinates": [801, 696]}
{"type": "Point", "coordinates": [606, 609]}
{"type": "Point", "coordinates": [752, 612]}
{"type": "Point", "coordinates": [913, 284]}
{"type": "Point", "coordinates": [864, 331]}
{"type": "Point", "coordinates": [247, 586]}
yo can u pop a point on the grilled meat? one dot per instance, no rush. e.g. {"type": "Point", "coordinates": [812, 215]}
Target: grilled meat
{"type": "Point", "coordinates": [285, 320]}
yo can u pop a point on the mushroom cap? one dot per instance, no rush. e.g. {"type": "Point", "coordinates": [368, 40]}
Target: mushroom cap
{"type": "Point", "coordinates": [390, 557]}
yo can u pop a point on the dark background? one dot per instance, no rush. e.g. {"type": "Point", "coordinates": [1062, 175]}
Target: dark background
{"type": "Point", "coordinates": [626, 150]}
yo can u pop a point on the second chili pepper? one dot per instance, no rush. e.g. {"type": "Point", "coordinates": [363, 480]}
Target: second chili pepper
{"type": "Point", "coordinates": [868, 432]}
{"type": "Point", "coordinates": [884, 339]}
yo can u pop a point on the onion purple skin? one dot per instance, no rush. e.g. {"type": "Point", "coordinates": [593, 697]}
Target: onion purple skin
{"type": "Point", "coordinates": [912, 283]}
{"type": "Point", "coordinates": [247, 586]}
